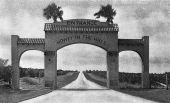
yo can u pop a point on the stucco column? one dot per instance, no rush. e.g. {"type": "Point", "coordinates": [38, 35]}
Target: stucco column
{"type": "Point", "coordinates": [112, 69]}
{"type": "Point", "coordinates": [15, 62]}
{"type": "Point", "coordinates": [50, 69]}
{"type": "Point", "coordinates": [145, 69]}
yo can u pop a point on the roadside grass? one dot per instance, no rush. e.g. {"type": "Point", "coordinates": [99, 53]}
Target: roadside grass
{"type": "Point", "coordinates": [95, 78]}
{"type": "Point", "coordinates": [102, 81]}
{"type": "Point", "coordinates": [7, 95]}
{"type": "Point", "coordinates": [31, 88]}
{"type": "Point", "coordinates": [125, 85]}
{"type": "Point", "coordinates": [66, 79]}
{"type": "Point", "coordinates": [30, 81]}
{"type": "Point", "coordinates": [157, 95]}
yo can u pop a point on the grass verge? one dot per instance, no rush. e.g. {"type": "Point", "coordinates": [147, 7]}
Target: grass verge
{"type": "Point", "coordinates": [7, 95]}
{"type": "Point", "coordinates": [66, 79]}
{"type": "Point", "coordinates": [95, 79]}
{"type": "Point", "coordinates": [158, 95]}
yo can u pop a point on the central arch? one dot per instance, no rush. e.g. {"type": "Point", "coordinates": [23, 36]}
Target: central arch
{"type": "Point", "coordinates": [111, 62]}
{"type": "Point", "coordinates": [103, 35]}
{"type": "Point", "coordinates": [88, 50]}
{"type": "Point", "coordinates": [81, 57]}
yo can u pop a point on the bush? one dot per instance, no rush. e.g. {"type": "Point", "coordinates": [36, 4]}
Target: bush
{"type": "Point", "coordinates": [30, 81]}
{"type": "Point", "coordinates": [5, 73]}
{"type": "Point", "coordinates": [31, 72]}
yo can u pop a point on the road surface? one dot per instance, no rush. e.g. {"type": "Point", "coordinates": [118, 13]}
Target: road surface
{"type": "Point", "coordinates": [82, 95]}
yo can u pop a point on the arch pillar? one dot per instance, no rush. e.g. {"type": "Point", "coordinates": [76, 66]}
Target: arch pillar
{"type": "Point", "coordinates": [15, 62]}
{"type": "Point", "coordinates": [112, 69]}
{"type": "Point", "coordinates": [145, 59]}
{"type": "Point", "coordinates": [50, 69]}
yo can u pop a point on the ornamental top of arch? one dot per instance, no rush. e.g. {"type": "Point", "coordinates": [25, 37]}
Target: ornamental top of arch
{"type": "Point", "coordinates": [81, 25]}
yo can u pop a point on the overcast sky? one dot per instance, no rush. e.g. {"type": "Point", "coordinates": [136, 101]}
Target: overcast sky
{"type": "Point", "coordinates": [136, 18]}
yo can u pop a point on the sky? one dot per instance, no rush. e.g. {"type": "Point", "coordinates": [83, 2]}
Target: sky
{"type": "Point", "coordinates": [136, 18]}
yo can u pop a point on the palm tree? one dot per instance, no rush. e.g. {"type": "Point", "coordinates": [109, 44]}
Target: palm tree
{"type": "Point", "coordinates": [53, 11]}
{"type": "Point", "coordinates": [106, 12]}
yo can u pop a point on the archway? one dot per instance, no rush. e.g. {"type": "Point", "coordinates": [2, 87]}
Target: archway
{"type": "Point", "coordinates": [86, 58]}
{"type": "Point", "coordinates": [67, 32]}
{"type": "Point", "coordinates": [31, 67]}
{"type": "Point", "coordinates": [130, 69]}
{"type": "Point", "coordinates": [141, 46]}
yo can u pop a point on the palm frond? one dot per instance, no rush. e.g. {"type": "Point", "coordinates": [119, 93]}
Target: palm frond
{"type": "Point", "coordinates": [106, 12]}
{"type": "Point", "coordinates": [61, 18]}
{"type": "Point", "coordinates": [53, 11]}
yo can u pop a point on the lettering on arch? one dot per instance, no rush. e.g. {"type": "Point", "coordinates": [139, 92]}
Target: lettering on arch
{"type": "Point", "coordinates": [84, 37]}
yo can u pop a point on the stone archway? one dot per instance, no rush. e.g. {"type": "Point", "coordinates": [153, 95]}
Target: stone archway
{"type": "Point", "coordinates": [61, 34]}
{"type": "Point", "coordinates": [86, 31]}
{"type": "Point", "coordinates": [140, 46]}
{"type": "Point", "coordinates": [18, 47]}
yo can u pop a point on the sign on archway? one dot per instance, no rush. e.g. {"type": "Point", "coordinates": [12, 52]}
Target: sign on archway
{"type": "Point", "coordinates": [61, 34]}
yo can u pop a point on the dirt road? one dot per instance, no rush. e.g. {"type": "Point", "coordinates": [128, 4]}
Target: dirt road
{"type": "Point", "coordinates": [82, 95]}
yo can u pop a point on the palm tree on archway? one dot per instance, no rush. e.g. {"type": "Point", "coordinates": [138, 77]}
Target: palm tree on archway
{"type": "Point", "coordinates": [52, 11]}
{"type": "Point", "coordinates": [107, 12]}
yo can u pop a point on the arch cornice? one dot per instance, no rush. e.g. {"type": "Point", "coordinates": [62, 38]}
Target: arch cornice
{"type": "Point", "coordinates": [26, 44]}
{"type": "Point", "coordinates": [137, 45]}
{"type": "Point", "coordinates": [81, 26]}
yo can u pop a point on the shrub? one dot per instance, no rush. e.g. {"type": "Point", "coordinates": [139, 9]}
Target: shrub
{"type": "Point", "coordinates": [5, 73]}
{"type": "Point", "coordinates": [30, 81]}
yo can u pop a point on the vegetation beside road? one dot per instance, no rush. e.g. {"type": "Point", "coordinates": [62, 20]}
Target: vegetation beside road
{"type": "Point", "coordinates": [32, 90]}
{"type": "Point", "coordinates": [158, 95]}
{"type": "Point", "coordinates": [134, 79]}
{"type": "Point", "coordinates": [94, 78]}
{"type": "Point", "coordinates": [25, 73]}
{"type": "Point", "coordinates": [7, 95]}
{"type": "Point", "coordinates": [63, 80]}
{"type": "Point", "coordinates": [5, 74]}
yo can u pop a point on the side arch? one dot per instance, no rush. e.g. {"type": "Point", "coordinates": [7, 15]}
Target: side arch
{"type": "Point", "coordinates": [141, 46]}
{"type": "Point", "coordinates": [130, 62]}
{"type": "Point", "coordinates": [30, 52]}
{"type": "Point", "coordinates": [18, 47]}
{"type": "Point", "coordinates": [134, 57]}
{"type": "Point", "coordinates": [22, 50]}
{"type": "Point", "coordinates": [137, 50]}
